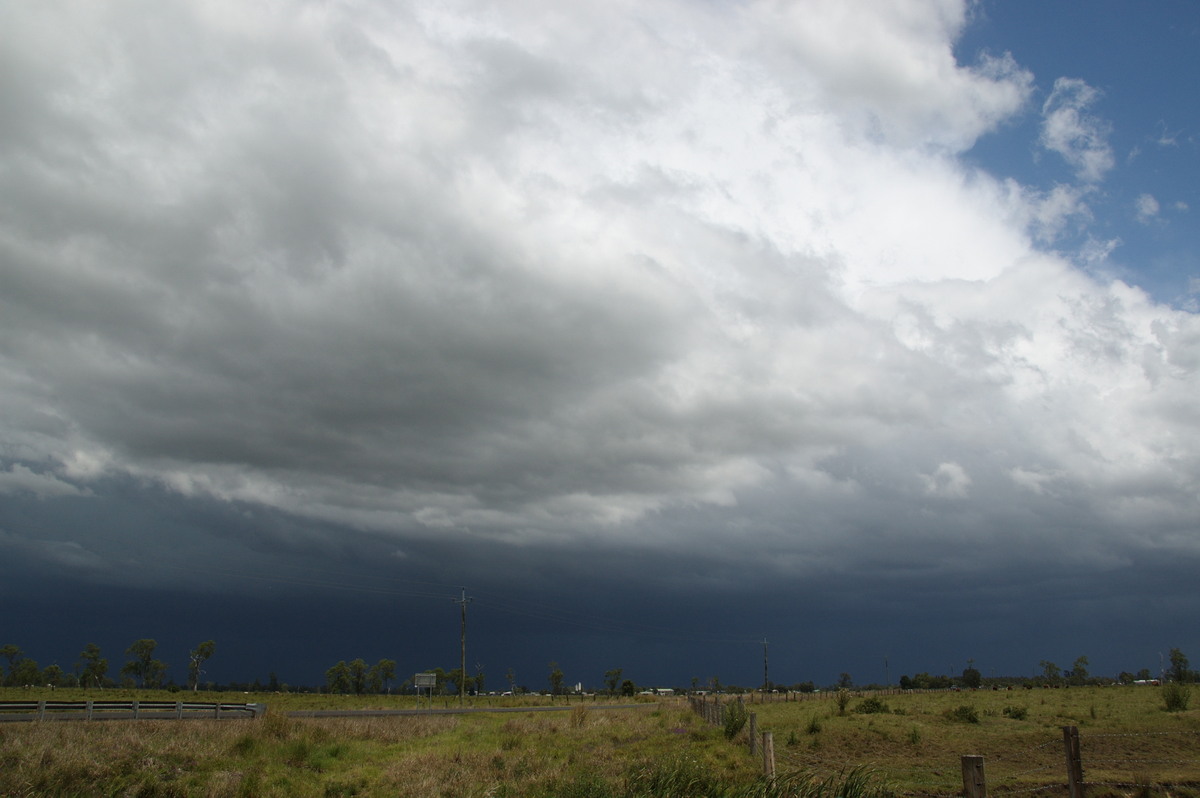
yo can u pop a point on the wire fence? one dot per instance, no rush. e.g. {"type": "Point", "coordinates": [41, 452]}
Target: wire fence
{"type": "Point", "coordinates": [1073, 763]}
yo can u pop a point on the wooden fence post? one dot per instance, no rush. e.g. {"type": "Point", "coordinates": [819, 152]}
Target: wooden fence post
{"type": "Point", "coordinates": [974, 785]}
{"type": "Point", "coordinates": [1074, 761]}
{"type": "Point", "coordinates": [753, 733]}
{"type": "Point", "coordinates": [768, 745]}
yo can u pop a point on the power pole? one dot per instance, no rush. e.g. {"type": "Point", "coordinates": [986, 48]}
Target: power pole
{"type": "Point", "coordinates": [462, 679]}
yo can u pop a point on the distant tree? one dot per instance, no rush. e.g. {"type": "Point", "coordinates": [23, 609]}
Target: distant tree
{"type": "Point", "coordinates": [556, 679]}
{"type": "Point", "coordinates": [26, 671]}
{"type": "Point", "coordinates": [196, 659]}
{"type": "Point", "coordinates": [456, 677]}
{"type": "Point", "coordinates": [1050, 671]}
{"type": "Point", "coordinates": [612, 678]}
{"type": "Point", "coordinates": [337, 678]}
{"type": "Point", "coordinates": [143, 667]}
{"type": "Point", "coordinates": [845, 682]}
{"type": "Point", "coordinates": [906, 683]}
{"type": "Point", "coordinates": [381, 674]}
{"type": "Point", "coordinates": [1125, 677]}
{"type": "Point", "coordinates": [972, 678]}
{"type": "Point", "coordinates": [804, 687]}
{"type": "Point", "coordinates": [91, 666]}
{"type": "Point", "coordinates": [1144, 674]}
{"type": "Point", "coordinates": [1079, 671]}
{"type": "Point", "coordinates": [628, 688]}
{"type": "Point", "coordinates": [53, 676]}
{"type": "Point", "coordinates": [1179, 666]}
{"type": "Point", "coordinates": [510, 676]}
{"type": "Point", "coordinates": [358, 676]}
{"type": "Point", "coordinates": [12, 653]}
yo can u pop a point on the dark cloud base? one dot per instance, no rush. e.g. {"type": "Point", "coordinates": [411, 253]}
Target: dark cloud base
{"type": "Point", "coordinates": [292, 612]}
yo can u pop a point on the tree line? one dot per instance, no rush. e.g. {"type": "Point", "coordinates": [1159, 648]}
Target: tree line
{"type": "Point", "coordinates": [141, 669]}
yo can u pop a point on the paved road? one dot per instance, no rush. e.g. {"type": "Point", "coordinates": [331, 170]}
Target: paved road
{"type": "Point", "coordinates": [363, 713]}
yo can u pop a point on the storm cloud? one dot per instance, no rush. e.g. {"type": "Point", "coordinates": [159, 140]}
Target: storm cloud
{"type": "Point", "coordinates": [685, 298]}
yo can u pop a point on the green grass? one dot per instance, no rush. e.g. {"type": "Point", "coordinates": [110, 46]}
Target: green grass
{"type": "Point", "coordinates": [1126, 735]}
{"type": "Point", "coordinates": [907, 744]}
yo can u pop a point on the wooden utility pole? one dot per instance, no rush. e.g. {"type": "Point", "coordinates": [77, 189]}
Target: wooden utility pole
{"type": "Point", "coordinates": [462, 679]}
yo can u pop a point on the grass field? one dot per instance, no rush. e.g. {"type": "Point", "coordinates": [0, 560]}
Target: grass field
{"type": "Point", "coordinates": [910, 744]}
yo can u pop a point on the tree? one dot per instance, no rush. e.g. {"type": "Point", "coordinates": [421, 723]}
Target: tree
{"type": "Point", "coordinates": [358, 676]}
{"type": "Point", "coordinates": [1051, 671]}
{"type": "Point", "coordinates": [613, 678]}
{"type": "Point", "coordinates": [1179, 666]}
{"type": "Point", "coordinates": [337, 678]}
{"type": "Point", "coordinates": [556, 679]}
{"type": "Point", "coordinates": [26, 671]}
{"type": "Point", "coordinates": [972, 678]}
{"type": "Point", "coordinates": [381, 674]}
{"type": "Point", "coordinates": [1079, 671]}
{"type": "Point", "coordinates": [143, 666]}
{"type": "Point", "coordinates": [196, 659]}
{"type": "Point", "coordinates": [92, 667]}
{"type": "Point", "coordinates": [628, 688]}
{"type": "Point", "coordinates": [12, 653]}
{"type": "Point", "coordinates": [52, 675]}
{"type": "Point", "coordinates": [845, 682]}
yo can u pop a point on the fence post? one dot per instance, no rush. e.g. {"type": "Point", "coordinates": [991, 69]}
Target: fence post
{"type": "Point", "coordinates": [753, 733]}
{"type": "Point", "coordinates": [768, 745]}
{"type": "Point", "coordinates": [974, 785]}
{"type": "Point", "coordinates": [1074, 761]}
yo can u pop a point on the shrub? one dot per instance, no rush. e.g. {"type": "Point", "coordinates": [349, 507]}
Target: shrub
{"type": "Point", "coordinates": [1016, 713]}
{"type": "Point", "coordinates": [735, 718]}
{"type": "Point", "coordinates": [962, 714]}
{"type": "Point", "coordinates": [814, 725]}
{"type": "Point", "coordinates": [871, 706]}
{"type": "Point", "coordinates": [1175, 697]}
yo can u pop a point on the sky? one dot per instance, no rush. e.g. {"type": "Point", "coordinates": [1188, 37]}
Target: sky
{"type": "Point", "coordinates": [862, 333]}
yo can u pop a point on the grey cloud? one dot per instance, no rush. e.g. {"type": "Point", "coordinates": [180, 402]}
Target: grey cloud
{"type": "Point", "coordinates": [329, 287]}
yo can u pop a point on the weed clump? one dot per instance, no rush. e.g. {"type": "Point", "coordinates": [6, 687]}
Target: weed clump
{"type": "Point", "coordinates": [964, 713]}
{"type": "Point", "coordinates": [1016, 713]}
{"type": "Point", "coordinates": [843, 700]}
{"type": "Point", "coordinates": [735, 718]}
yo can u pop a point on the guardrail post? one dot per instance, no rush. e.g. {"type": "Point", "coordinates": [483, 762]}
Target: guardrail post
{"type": "Point", "coordinates": [974, 785]}
{"type": "Point", "coordinates": [41, 710]}
{"type": "Point", "coordinates": [1074, 761]}
{"type": "Point", "coordinates": [136, 711]}
{"type": "Point", "coordinates": [89, 709]}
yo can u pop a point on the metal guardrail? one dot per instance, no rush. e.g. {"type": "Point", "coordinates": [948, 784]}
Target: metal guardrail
{"type": "Point", "coordinates": [125, 710]}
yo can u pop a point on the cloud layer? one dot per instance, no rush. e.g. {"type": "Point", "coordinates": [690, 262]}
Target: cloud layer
{"type": "Point", "coordinates": [640, 276]}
